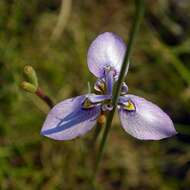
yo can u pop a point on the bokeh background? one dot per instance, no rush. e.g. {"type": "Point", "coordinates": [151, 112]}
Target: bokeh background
{"type": "Point", "coordinates": [53, 36]}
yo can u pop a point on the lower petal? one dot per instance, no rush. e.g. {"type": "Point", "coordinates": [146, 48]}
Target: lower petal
{"type": "Point", "coordinates": [68, 120]}
{"type": "Point", "coordinates": [147, 121]}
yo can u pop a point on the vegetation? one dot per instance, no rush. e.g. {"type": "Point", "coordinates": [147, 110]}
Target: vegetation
{"type": "Point", "coordinates": [159, 71]}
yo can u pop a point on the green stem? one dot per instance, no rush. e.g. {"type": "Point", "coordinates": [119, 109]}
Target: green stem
{"type": "Point", "coordinates": [125, 65]}
{"type": "Point", "coordinates": [96, 134]}
{"type": "Point", "coordinates": [45, 98]}
{"type": "Point", "coordinates": [182, 70]}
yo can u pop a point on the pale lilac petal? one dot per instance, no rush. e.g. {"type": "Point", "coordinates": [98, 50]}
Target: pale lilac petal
{"type": "Point", "coordinates": [68, 119]}
{"type": "Point", "coordinates": [148, 122]}
{"type": "Point", "coordinates": [106, 50]}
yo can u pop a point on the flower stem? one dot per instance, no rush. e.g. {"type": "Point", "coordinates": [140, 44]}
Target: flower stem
{"type": "Point", "coordinates": [133, 33]}
{"type": "Point", "coordinates": [44, 97]}
{"type": "Point", "coordinates": [96, 134]}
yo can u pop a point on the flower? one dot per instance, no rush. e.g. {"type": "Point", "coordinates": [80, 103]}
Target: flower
{"type": "Point", "coordinates": [76, 116]}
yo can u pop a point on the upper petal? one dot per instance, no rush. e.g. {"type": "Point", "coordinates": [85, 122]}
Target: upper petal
{"type": "Point", "coordinates": [68, 119]}
{"type": "Point", "coordinates": [147, 122]}
{"type": "Point", "coordinates": [107, 49]}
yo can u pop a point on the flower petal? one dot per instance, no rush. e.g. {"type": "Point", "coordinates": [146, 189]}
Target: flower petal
{"type": "Point", "coordinates": [147, 122]}
{"type": "Point", "coordinates": [107, 49]}
{"type": "Point", "coordinates": [68, 119]}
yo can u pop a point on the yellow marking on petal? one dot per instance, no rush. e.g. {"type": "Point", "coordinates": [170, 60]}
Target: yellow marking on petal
{"type": "Point", "coordinates": [87, 104]}
{"type": "Point", "coordinates": [129, 106]}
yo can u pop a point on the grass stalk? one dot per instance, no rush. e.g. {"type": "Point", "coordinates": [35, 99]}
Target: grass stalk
{"type": "Point", "coordinates": [125, 65]}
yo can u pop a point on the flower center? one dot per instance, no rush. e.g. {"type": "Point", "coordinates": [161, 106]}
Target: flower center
{"type": "Point", "coordinates": [103, 101]}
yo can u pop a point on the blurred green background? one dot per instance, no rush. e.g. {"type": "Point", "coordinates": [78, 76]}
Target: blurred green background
{"type": "Point", "coordinates": [54, 39]}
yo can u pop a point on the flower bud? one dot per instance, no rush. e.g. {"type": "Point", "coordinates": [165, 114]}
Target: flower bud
{"type": "Point", "coordinates": [28, 87]}
{"type": "Point", "coordinates": [31, 74]}
{"type": "Point", "coordinates": [102, 119]}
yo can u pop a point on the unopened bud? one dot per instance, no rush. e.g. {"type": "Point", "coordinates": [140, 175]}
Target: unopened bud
{"type": "Point", "coordinates": [31, 74]}
{"type": "Point", "coordinates": [28, 87]}
{"type": "Point", "coordinates": [102, 119]}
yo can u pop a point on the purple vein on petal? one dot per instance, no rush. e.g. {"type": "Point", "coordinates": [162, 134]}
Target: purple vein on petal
{"type": "Point", "coordinates": [72, 120]}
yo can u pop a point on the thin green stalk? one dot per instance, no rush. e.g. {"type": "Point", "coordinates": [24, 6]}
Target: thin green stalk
{"type": "Point", "coordinates": [89, 88]}
{"type": "Point", "coordinates": [182, 70]}
{"type": "Point", "coordinates": [62, 19]}
{"type": "Point", "coordinates": [133, 33]}
{"type": "Point", "coordinates": [96, 134]}
{"type": "Point", "coordinates": [170, 55]}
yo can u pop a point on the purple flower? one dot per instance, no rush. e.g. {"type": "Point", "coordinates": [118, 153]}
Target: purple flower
{"type": "Point", "coordinates": [76, 116]}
